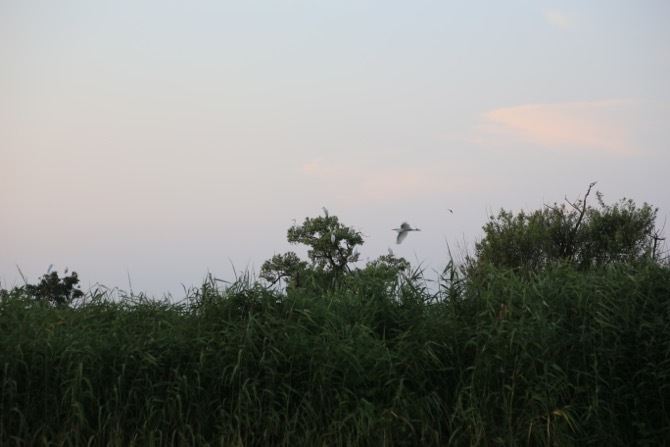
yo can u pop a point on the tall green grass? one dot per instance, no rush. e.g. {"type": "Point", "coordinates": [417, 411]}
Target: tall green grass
{"type": "Point", "coordinates": [566, 358]}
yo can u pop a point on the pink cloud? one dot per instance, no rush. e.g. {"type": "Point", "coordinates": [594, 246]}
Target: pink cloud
{"type": "Point", "coordinates": [579, 125]}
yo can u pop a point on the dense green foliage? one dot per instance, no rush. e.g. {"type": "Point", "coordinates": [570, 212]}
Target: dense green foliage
{"type": "Point", "coordinates": [567, 358]}
{"type": "Point", "coordinates": [558, 335]}
{"type": "Point", "coordinates": [578, 233]}
{"type": "Point", "coordinates": [52, 289]}
{"type": "Point", "coordinates": [333, 248]}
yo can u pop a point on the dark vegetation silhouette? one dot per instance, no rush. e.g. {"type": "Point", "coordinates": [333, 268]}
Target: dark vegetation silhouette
{"type": "Point", "coordinates": [556, 331]}
{"type": "Point", "coordinates": [574, 232]}
{"type": "Point", "coordinates": [51, 289]}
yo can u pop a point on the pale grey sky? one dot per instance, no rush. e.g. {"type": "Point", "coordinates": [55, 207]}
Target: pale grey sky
{"type": "Point", "coordinates": [163, 140]}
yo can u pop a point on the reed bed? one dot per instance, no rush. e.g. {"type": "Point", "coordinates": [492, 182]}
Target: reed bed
{"type": "Point", "coordinates": [563, 358]}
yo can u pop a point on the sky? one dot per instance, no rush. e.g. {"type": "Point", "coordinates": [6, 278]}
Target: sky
{"type": "Point", "coordinates": [146, 144]}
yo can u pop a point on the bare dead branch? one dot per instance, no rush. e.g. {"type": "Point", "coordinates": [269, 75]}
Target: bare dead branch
{"type": "Point", "coordinates": [582, 211]}
{"type": "Point", "coordinates": [657, 239]}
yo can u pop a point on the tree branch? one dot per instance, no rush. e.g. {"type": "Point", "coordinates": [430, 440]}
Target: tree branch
{"type": "Point", "coordinates": [582, 212]}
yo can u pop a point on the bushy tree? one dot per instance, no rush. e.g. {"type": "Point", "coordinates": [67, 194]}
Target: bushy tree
{"type": "Point", "coordinates": [621, 233]}
{"type": "Point", "coordinates": [573, 232]}
{"type": "Point", "coordinates": [286, 267]}
{"type": "Point", "coordinates": [333, 249]}
{"type": "Point", "coordinates": [333, 246]}
{"type": "Point", "coordinates": [54, 289]}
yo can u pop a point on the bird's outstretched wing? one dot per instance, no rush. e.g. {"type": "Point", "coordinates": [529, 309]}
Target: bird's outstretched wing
{"type": "Point", "coordinates": [401, 236]}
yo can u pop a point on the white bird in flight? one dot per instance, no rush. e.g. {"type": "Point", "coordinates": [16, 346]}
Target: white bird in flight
{"type": "Point", "coordinates": [402, 232]}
